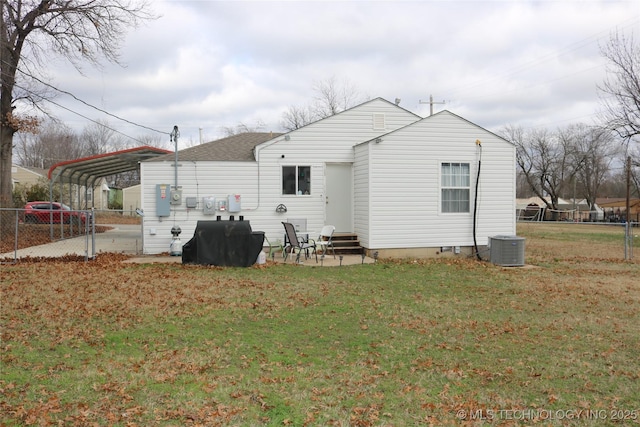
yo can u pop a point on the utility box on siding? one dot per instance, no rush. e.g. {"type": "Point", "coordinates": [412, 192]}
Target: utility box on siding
{"type": "Point", "coordinates": [163, 199]}
{"type": "Point", "coordinates": [507, 251]}
{"type": "Point", "coordinates": [234, 203]}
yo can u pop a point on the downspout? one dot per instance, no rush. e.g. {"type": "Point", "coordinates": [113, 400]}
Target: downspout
{"type": "Point", "coordinates": [475, 202]}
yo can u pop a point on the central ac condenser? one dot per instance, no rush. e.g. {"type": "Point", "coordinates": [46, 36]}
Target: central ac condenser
{"type": "Point", "coordinates": [507, 251]}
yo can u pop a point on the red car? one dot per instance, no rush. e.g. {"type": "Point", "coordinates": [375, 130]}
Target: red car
{"type": "Point", "coordinates": [44, 212]}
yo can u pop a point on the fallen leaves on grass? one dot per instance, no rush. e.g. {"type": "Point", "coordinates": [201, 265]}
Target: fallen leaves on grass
{"type": "Point", "coordinates": [427, 339]}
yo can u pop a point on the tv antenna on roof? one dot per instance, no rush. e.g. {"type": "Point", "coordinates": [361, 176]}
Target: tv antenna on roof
{"type": "Point", "coordinates": [431, 104]}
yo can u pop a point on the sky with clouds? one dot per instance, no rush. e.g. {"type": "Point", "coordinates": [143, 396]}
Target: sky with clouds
{"type": "Point", "coordinates": [206, 65]}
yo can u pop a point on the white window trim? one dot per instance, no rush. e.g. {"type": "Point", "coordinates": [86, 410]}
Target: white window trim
{"type": "Point", "coordinates": [440, 188]}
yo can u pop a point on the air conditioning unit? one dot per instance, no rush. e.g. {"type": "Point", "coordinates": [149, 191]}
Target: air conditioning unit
{"type": "Point", "coordinates": [507, 251]}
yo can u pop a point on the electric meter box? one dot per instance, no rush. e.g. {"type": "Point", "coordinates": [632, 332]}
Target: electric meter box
{"type": "Point", "coordinates": [234, 203]}
{"type": "Point", "coordinates": [163, 195]}
{"type": "Point", "coordinates": [209, 205]}
{"type": "Point", "coordinates": [176, 196]}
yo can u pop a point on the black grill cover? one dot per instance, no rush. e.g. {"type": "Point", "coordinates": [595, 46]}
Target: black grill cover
{"type": "Point", "coordinates": [223, 243]}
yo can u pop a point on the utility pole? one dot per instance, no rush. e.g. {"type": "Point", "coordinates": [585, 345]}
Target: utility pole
{"type": "Point", "coordinates": [431, 104]}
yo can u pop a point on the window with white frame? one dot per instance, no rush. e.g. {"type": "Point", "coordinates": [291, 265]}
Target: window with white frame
{"type": "Point", "coordinates": [455, 187]}
{"type": "Point", "coordinates": [296, 180]}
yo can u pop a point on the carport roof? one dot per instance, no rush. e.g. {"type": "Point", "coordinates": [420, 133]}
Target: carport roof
{"type": "Point", "coordinates": [81, 171]}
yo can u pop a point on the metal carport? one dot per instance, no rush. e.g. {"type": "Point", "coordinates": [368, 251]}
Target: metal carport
{"type": "Point", "coordinates": [85, 171]}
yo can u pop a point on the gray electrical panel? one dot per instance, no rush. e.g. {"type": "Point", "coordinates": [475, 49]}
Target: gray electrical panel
{"type": "Point", "coordinates": [163, 195]}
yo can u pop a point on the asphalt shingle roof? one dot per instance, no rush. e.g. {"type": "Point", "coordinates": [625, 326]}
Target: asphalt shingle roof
{"type": "Point", "coordinates": [238, 148]}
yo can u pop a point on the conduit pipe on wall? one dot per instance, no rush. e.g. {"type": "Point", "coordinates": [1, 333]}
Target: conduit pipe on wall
{"type": "Point", "coordinates": [475, 202]}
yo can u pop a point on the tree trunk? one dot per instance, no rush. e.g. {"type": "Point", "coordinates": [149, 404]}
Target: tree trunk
{"type": "Point", "coordinates": [6, 138]}
{"type": "Point", "coordinates": [6, 157]}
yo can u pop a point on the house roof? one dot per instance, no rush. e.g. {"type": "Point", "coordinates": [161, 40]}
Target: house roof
{"type": "Point", "coordinates": [619, 202]}
{"type": "Point", "coordinates": [615, 201]}
{"type": "Point", "coordinates": [232, 148]}
{"type": "Point", "coordinates": [36, 171]}
{"type": "Point", "coordinates": [80, 171]}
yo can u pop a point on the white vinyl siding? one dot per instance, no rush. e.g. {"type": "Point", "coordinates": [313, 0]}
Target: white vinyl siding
{"type": "Point", "coordinates": [404, 185]}
{"type": "Point", "coordinates": [330, 140]}
{"type": "Point", "coordinates": [397, 181]}
{"type": "Point", "coordinates": [362, 193]}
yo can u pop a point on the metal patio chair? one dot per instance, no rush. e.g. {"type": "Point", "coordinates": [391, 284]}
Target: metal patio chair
{"type": "Point", "coordinates": [296, 244]}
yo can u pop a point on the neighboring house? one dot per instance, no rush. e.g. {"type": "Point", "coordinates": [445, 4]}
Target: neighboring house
{"type": "Point", "coordinates": [98, 195]}
{"type": "Point", "coordinates": [405, 185]}
{"type": "Point", "coordinates": [27, 175]}
{"type": "Point", "coordinates": [615, 209]}
{"type": "Point", "coordinates": [131, 199]}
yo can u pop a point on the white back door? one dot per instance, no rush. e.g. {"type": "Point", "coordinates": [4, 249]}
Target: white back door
{"type": "Point", "coordinates": [339, 196]}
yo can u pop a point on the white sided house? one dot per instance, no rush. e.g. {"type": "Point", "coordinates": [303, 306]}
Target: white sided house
{"type": "Point", "coordinates": [406, 186]}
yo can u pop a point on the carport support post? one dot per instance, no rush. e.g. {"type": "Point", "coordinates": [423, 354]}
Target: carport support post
{"type": "Point", "coordinates": [71, 206]}
{"type": "Point", "coordinates": [51, 181]}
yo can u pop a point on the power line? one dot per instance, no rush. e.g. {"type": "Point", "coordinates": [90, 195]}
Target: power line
{"type": "Point", "coordinates": [83, 116]}
{"type": "Point", "coordinates": [85, 103]}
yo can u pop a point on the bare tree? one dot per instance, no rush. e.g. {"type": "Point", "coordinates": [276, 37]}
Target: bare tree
{"type": "Point", "coordinates": [53, 143]}
{"type": "Point", "coordinates": [154, 140]}
{"type": "Point", "coordinates": [330, 97]}
{"type": "Point", "coordinates": [554, 163]}
{"type": "Point", "coordinates": [296, 117]}
{"type": "Point", "coordinates": [242, 128]}
{"type": "Point", "coordinates": [594, 155]}
{"type": "Point", "coordinates": [31, 30]}
{"type": "Point", "coordinates": [620, 92]}
{"type": "Point", "coordinates": [99, 138]}
{"type": "Point", "coordinates": [546, 160]}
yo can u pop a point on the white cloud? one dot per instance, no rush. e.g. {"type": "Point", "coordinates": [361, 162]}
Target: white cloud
{"type": "Point", "coordinates": [212, 64]}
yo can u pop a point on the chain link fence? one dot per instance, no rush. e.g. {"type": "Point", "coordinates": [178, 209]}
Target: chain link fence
{"type": "Point", "coordinates": [41, 231]}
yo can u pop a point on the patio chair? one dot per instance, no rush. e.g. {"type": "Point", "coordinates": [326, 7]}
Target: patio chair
{"type": "Point", "coordinates": [325, 240]}
{"type": "Point", "coordinates": [297, 244]}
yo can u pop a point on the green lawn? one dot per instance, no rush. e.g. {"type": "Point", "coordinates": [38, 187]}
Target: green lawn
{"type": "Point", "coordinates": [397, 343]}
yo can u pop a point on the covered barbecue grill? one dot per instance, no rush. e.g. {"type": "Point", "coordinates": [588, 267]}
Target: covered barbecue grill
{"type": "Point", "coordinates": [223, 243]}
